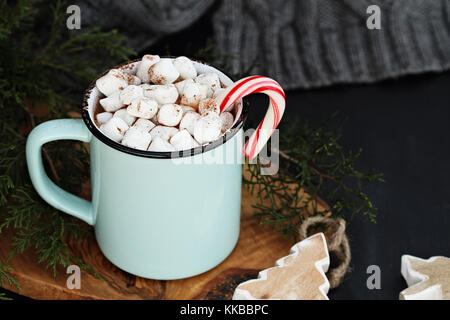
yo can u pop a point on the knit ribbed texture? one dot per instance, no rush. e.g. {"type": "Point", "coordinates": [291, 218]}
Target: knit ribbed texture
{"type": "Point", "coordinates": [300, 43]}
{"type": "Point", "coordinates": [143, 21]}
{"type": "Point", "coordinates": [313, 43]}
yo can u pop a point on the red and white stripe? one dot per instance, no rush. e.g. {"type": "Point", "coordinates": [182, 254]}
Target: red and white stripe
{"type": "Point", "coordinates": [257, 84]}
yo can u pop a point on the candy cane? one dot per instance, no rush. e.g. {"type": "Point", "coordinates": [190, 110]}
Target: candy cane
{"type": "Point", "coordinates": [257, 84]}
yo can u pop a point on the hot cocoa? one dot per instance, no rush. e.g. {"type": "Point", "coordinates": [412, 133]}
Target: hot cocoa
{"type": "Point", "coordinates": [165, 106]}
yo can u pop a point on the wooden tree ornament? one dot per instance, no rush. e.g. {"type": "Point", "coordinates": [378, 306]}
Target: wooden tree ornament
{"type": "Point", "coordinates": [298, 276]}
{"type": "Point", "coordinates": [426, 279]}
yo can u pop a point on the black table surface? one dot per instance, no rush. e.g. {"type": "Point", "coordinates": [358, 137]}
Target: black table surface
{"type": "Point", "coordinates": [403, 127]}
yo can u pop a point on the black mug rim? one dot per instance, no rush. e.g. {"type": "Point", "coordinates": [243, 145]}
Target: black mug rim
{"type": "Point", "coordinates": [154, 154]}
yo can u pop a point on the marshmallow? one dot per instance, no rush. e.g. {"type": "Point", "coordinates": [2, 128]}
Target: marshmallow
{"type": "Point", "coordinates": [136, 138]}
{"type": "Point", "coordinates": [185, 67]}
{"type": "Point", "coordinates": [128, 68]}
{"type": "Point", "coordinates": [125, 116]}
{"type": "Point", "coordinates": [188, 121]}
{"type": "Point", "coordinates": [208, 128]}
{"type": "Point", "coordinates": [146, 62]}
{"type": "Point", "coordinates": [144, 124]}
{"type": "Point", "coordinates": [104, 117]}
{"type": "Point", "coordinates": [227, 121]}
{"type": "Point", "coordinates": [170, 114]}
{"type": "Point", "coordinates": [163, 94]}
{"type": "Point", "coordinates": [186, 109]}
{"type": "Point", "coordinates": [115, 80]}
{"type": "Point", "coordinates": [183, 141]}
{"type": "Point", "coordinates": [163, 132]}
{"type": "Point", "coordinates": [143, 108]}
{"type": "Point", "coordinates": [208, 105]}
{"type": "Point", "coordinates": [163, 72]}
{"type": "Point", "coordinates": [160, 145]}
{"type": "Point", "coordinates": [159, 109]}
{"type": "Point", "coordinates": [210, 79]}
{"type": "Point", "coordinates": [145, 86]}
{"type": "Point", "coordinates": [111, 82]}
{"type": "Point", "coordinates": [218, 92]}
{"type": "Point", "coordinates": [180, 85]}
{"type": "Point", "coordinates": [193, 93]}
{"type": "Point", "coordinates": [131, 79]}
{"type": "Point", "coordinates": [155, 119]}
{"type": "Point", "coordinates": [115, 128]}
{"type": "Point", "coordinates": [112, 102]}
{"type": "Point", "coordinates": [130, 93]}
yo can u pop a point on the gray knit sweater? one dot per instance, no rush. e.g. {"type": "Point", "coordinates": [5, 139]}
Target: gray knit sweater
{"type": "Point", "coordinates": [300, 43]}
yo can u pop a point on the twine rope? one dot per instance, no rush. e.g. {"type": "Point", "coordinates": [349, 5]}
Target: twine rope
{"type": "Point", "coordinates": [337, 243]}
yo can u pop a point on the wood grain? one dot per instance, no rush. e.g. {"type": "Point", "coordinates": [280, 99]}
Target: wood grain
{"type": "Point", "coordinates": [258, 248]}
{"type": "Point", "coordinates": [298, 276]}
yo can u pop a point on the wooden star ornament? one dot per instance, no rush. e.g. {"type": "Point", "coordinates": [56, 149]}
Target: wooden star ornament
{"type": "Point", "coordinates": [426, 279]}
{"type": "Point", "coordinates": [298, 276]}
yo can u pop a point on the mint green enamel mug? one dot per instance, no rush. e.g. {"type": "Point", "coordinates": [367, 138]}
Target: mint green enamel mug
{"type": "Point", "coordinates": [157, 215]}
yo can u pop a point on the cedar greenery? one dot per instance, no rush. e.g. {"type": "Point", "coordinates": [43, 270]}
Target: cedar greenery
{"type": "Point", "coordinates": [44, 68]}
{"type": "Point", "coordinates": [4, 297]}
{"type": "Point", "coordinates": [311, 161]}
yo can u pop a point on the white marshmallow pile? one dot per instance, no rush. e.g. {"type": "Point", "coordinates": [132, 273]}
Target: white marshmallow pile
{"type": "Point", "coordinates": [164, 106]}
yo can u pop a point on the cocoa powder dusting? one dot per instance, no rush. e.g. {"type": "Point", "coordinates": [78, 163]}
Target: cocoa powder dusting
{"type": "Point", "coordinates": [210, 104]}
{"type": "Point", "coordinates": [126, 67]}
{"type": "Point", "coordinates": [157, 79]}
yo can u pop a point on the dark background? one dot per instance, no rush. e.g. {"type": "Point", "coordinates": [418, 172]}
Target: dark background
{"type": "Point", "coordinates": [403, 127]}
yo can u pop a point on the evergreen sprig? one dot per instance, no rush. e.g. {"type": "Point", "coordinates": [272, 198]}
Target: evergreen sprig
{"type": "Point", "coordinates": [313, 165]}
{"type": "Point", "coordinates": [44, 68]}
{"type": "Point", "coordinates": [5, 277]}
{"type": "Point", "coordinates": [4, 297]}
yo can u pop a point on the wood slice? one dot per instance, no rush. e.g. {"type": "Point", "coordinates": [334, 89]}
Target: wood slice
{"type": "Point", "coordinates": [258, 248]}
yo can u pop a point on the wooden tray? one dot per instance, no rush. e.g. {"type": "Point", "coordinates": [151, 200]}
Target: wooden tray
{"type": "Point", "coordinates": [258, 248]}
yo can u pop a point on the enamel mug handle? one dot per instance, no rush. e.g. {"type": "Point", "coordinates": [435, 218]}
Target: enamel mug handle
{"type": "Point", "coordinates": [62, 129]}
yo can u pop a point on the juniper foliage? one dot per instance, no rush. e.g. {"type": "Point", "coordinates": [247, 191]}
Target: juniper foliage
{"type": "Point", "coordinates": [313, 165]}
{"type": "Point", "coordinates": [44, 68]}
